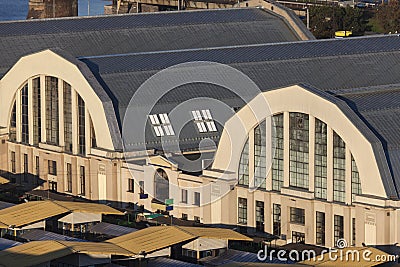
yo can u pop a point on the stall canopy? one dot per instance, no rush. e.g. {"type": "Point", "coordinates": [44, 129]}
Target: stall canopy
{"type": "Point", "coordinates": [158, 237]}
{"type": "Point", "coordinates": [35, 211]}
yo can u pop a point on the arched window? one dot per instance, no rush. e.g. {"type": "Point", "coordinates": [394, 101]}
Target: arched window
{"type": "Point", "coordinates": [161, 185]}
{"type": "Point", "coordinates": [277, 149]}
{"type": "Point", "coordinates": [260, 169]}
{"type": "Point", "coordinates": [244, 165]}
{"type": "Point", "coordinates": [24, 115]}
{"type": "Point", "coordinates": [93, 140]}
{"type": "Point", "coordinates": [320, 159]}
{"type": "Point", "coordinates": [13, 124]}
{"type": "Point", "coordinates": [37, 118]}
{"type": "Point", "coordinates": [67, 98]}
{"type": "Point", "coordinates": [339, 168]}
{"type": "Point", "coordinates": [81, 126]}
{"type": "Point", "coordinates": [52, 112]}
{"type": "Point", "coordinates": [298, 155]}
{"type": "Point", "coordinates": [355, 180]}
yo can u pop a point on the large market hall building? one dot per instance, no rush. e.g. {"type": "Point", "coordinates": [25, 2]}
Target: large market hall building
{"type": "Point", "coordinates": [331, 121]}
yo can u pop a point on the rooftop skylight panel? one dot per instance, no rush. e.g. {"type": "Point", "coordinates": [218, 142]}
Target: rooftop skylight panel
{"type": "Point", "coordinates": [204, 121]}
{"type": "Point", "coordinates": [161, 125]}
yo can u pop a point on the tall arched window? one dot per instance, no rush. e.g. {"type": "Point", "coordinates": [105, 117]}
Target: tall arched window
{"type": "Point", "coordinates": [260, 169]}
{"type": "Point", "coordinates": [52, 112]}
{"type": "Point", "coordinates": [67, 98]}
{"type": "Point", "coordinates": [355, 180]}
{"type": "Point", "coordinates": [161, 185]}
{"type": "Point", "coordinates": [339, 168]}
{"type": "Point", "coordinates": [277, 149]}
{"type": "Point", "coordinates": [37, 117]}
{"type": "Point", "coordinates": [81, 126]}
{"type": "Point", "coordinates": [13, 124]}
{"type": "Point", "coordinates": [93, 141]}
{"type": "Point", "coordinates": [24, 115]}
{"type": "Point", "coordinates": [298, 155]}
{"type": "Point", "coordinates": [243, 178]}
{"type": "Point", "coordinates": [320, 160]}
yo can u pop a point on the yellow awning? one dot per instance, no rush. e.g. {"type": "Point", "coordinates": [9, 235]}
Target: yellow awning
{"type": "Point", "coordinates": [158, 237]}
{"type": "Point", "coordinates": [37, 252]}
{"type": "Point", "coordinates": [151, 239]}
{"type": "Point", "coordinates": [34, 211]}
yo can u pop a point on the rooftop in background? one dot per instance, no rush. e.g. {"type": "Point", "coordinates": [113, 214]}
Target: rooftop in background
{"type": "Point", "coordinates": [158, 237]}
{"type": "Point", "coordinates": [37, 252]}
{"type": "Point", "coordinates": [5, 244]}
{"type": "Point", "coordinates": [118, 34]}
{"type": "Point", "coordinates": [35, 211]}
{"type": "Point", "coordinates": [40, 235]}
{"type": "Point", "coordinates": [4, 205]}
{"type": "Point", "coordinates": [110, 229]}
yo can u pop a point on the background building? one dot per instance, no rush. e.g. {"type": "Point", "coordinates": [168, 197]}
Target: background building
{"type": "Point", "coordinates": [328, 130]}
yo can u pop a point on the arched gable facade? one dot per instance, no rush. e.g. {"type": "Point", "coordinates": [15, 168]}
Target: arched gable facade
{"type": "Point", "coordinates": [289, 103]}
{"type": "Point", "coordinates": [49, 64]}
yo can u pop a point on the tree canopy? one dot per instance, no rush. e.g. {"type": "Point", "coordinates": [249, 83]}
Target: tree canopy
{"type": "Point", "coordinates": [387, 17]}
{"type": "Point", "coordinates": [325, 20]}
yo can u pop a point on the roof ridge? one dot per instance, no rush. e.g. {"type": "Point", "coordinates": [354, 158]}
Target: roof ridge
{"type": "Point", "coordinates": [240, 46]}
{"type": "Point", "coordinates": [58, 204]}
{"type": "Point", "coordinates": [126, 15]}
{"type": "Point", "coordinates": [185, 231]}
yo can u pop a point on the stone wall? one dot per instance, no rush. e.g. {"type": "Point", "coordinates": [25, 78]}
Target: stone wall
{"type": "Point", "coordinates": [39, 9]}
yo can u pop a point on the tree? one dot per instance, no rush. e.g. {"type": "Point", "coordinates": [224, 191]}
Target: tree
{"type": "Point", "coordinates": [325, 20]}
{"type": "Point", "coordinates": [387, 18]}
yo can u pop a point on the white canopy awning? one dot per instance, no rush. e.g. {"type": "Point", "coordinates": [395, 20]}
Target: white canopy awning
{"type": "Point", "coordinates": [80, 217]}
{"type": "Point", "coordinates": [202, 244]}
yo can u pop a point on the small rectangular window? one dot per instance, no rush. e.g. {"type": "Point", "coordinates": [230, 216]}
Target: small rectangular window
{"type": "Point", "coordinates": [131, 185]}
{"type": "Point", "coordinates": [184, 196]}
{"type": "Point", "coordinates": [196, 219]}
{"type": "Point", "coordinates": [184, 216]}
{"type": "Point", "coordinates": [338, 228]}
{"type": "Point", "coordinates": [37, 170]}
{"type": "Point", "coordinates": [141, 185]}
{"type": "Point", "coordinates": [297, 215]}
{"type": "Point", "coordinates": [298, 237]}
{"type": "Point", "coordinates": [52, 167]}
{"type": "Point", "coordinates": [69, 177]}
{"type": "Point", "coordinates": [320, 228]}
{"type": "Point", "coordinates": [13, 167]}
{"type": "Point", "coordinates": [197, 198]}
{"type": "Point", "coordinates": [260, 216]}
{"type": "Point", "coordinates": [83, 180]}
{"type": "Point", "coordinates": [242, 210]}
{"type": "Point", "coordinates": [25, 170]}
{"type": "Point", "coordinates": [276, 219]}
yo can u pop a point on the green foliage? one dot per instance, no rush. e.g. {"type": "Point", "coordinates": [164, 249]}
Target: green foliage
{"type": "Point", "coordinates": [325, 20]}
{"type": "Point", "coordinates": [387, 18]}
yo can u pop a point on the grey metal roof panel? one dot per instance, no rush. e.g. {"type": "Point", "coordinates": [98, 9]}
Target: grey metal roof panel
{"type": "Point", "coordinates": [4, 205]}
{"type": "Point", "coordinates": [38, 235]}
{"type": "Point", "coordinates": [159, 19]}
{"type": "Point", "coordinates": [110, 229]}
{"type": "Point", "coordinates": [328, 65]}
{"type": "Point", "coordinates": [144, 32]}
{"type": "Point", "coordinates": [245, 54]}
{"type": "Point", "coordinates": [5, 244]}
